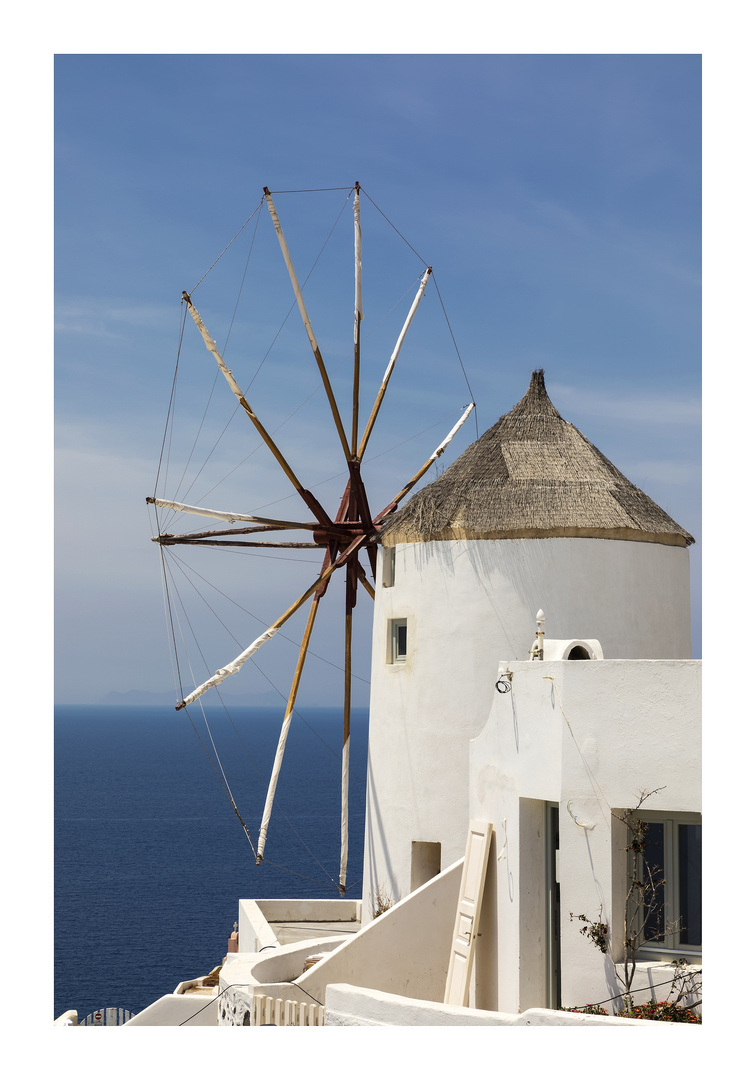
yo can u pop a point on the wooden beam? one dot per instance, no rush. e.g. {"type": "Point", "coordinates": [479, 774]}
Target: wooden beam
{"type": "Point", "coordinates": [392, 362]}
{"type": "Point", "coordinates": [357, 318]}
{"type": "Point", "coordinates": [345, 751]}
{"type": "Point", "coordinates": [309, 499]}
{"type": "Point", "coordinates": [235, 665]}
{"type": "Point", "coordinates": [285, 730]}
{"type": "Point", "coordinates": [307, 324]}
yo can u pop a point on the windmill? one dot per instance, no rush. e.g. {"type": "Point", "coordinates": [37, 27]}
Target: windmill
{"type": "Point", "coordinates": [344, 536]}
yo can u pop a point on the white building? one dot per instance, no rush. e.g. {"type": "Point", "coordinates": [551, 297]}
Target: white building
{"type": "Point", "coordinates": [531, 516]}
{"type": "Point", "coordinates": [472, 719]}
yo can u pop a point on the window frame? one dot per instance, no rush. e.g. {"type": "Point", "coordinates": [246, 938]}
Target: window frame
{"type": "Point", "coordinates": [394, 656]}
{"type": "Point", "coordinates": [670, 948]}
{"type": "Point", "coordinates": [388, 575]}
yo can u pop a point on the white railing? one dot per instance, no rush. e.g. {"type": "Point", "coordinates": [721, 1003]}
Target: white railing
{"type": "Point", "coordinates": [276, 1011]}
{"type": "Point", "coordinates": [106, 1017]}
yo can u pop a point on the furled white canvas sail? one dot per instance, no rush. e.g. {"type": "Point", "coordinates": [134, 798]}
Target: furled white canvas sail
{"type": "Point", "coordinates": [434, 457]}
{"type": "Point", "coordinates": [232, 668]}
{"type": "Point", "coordinates": [235, 666]}
{"type": "Point", "coordinates": [224, 515]}
{"type": "Point", "coordinates": [392, 362]}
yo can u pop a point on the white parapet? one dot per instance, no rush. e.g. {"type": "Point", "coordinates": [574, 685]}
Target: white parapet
{"type": "Point", "coordinates": [354, 1006]}
{"type": "Point", "coordinates": [178, 1010]}
{"type": "Point", "coordinates": [259, 919]}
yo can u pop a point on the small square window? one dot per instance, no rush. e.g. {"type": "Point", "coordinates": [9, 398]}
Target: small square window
{"type": "Point", "coordinates": [397, 641]}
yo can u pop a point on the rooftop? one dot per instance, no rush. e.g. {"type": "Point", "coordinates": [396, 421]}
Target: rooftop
{"type": "Point", "coordinates": [532, 474]}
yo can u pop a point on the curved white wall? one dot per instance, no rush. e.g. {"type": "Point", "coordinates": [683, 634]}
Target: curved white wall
{"type": "Point", "coordinates": [468, 605]}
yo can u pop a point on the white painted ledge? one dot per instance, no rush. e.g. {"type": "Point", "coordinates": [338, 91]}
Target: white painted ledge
{"type": "Point", "coordinates": [178, 1010]}
{"type": "Point", "coordinates": [353, 1006]}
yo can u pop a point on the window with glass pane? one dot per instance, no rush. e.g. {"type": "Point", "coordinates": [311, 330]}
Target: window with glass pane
{"type": "Point", "coordinates": [689, 850]}
{"type": "Point", "coordinates": [398, 641]}
{"type": "Point", "coordinates": [672, 913]}
{"type": "Point", "coordinates": [655, 908]}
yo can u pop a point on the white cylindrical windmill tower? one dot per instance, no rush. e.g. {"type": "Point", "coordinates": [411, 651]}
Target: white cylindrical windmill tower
{"type": "Point", "coordinates": [530, 516]}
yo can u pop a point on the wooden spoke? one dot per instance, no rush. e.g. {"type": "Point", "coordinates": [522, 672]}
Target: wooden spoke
{"type": "Point", "coordinates": [345, 749]}
{"type": "Point", "coordinates": [308, 325]}
{"type": "Point", "coordinates": [194, 541]}
{"type": "Point", "coordinates": [236, 665]}
{"type": "Point", "coordinates": [231, 517]}
{"type": "Point", "coordinates": [165, 538]}
{"type": "Point", "coordinates": [209, 539]}
{"type": "Point", "coordinates": [285, 729]}
{"type": "Point", "coordinates": [392, 362]}
{"type": "Point", "coordinates": [340, 537]}
{"type": "Point", "coordinates": [418, 475]}
{"type": "Point", "coordinates": [357, 317]}
{"type": "Point", "coordinates": [309, 499]}
{"type": "Point", "coordinates": [362, 576]}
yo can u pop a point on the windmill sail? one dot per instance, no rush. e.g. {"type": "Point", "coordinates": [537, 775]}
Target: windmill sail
{"type": "Point", "coordinates": [353, 529]}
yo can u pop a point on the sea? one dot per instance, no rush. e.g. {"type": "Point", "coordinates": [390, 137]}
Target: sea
{"type": "Point", "coordinates": [151, 859]}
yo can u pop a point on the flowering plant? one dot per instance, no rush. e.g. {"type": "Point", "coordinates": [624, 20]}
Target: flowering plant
{"type": "Point", "coordinates": [662, 1010]}
{"type": "Point", "coordinates": [597, 931]}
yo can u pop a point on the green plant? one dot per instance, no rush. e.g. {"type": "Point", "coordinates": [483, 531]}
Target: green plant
{"type": "Point", "coordinates": [593, 1010]}
{"type": "Point", "coordinates": [597, 932]}
{"type": "Point", "coordinates": [644, 919]}
{"type": "Point", "coordinates": [644, 922]}
{"type": "Point", "coordinates": [686, 984]}
{"type": "Point", "coordinates": [662, 1010]}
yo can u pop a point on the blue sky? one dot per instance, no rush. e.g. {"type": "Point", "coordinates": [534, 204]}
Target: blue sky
{"type": "Point", "coordinates": [558, 198]}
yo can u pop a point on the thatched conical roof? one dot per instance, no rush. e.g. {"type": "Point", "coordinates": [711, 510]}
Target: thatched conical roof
{"type": "Point", "coordinates": [532, 475]}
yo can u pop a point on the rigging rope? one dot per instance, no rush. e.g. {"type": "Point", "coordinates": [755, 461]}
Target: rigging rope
{"type": "Point", "coordinates": [216, 377]}
{"type": "Point", "coordinates": [221, 776]}
{"type": "Point", "coordinates": [451, 334]}
{"type": "Point", "coordinates": [404, 238]}
{"type": "Point", "coordinates": [406, 241]}
{"type": "Point", "coordinates": [325, 244]}
{"type": "Point", "coordinates": [169, 422]}
{"type": "Point", "coordinates": [318, 388]}
{"type": "Point", "coordinates": [224, 782]}
{"type": "Point", "coordinates": [227, 789]}
{"type": "Point", "coordinates": [228, 245]}
{"type": "Point", "coordinates": [171, 402]}
{"type": "Point", "coordinates": [263, 622]}
{"type": "Point", "coordinates": [260, 365]}
{"type": "Point", "coordinates": [294, 304]}
{"type": "Point", "coordinates": [185, 568]}
{"type": "Point", "coordinates": [308, 191]}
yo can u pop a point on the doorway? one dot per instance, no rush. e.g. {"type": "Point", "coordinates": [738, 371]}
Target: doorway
{"type": "Point", "coordinates": [553, 950]}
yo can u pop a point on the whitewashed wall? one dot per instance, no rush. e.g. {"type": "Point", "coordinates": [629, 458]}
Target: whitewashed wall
{"type": "Point", "coordinates": [591, 736]}
{"type": "Point", "coordinates": [636, 727]}
{"type": "Point", "coordinates": [468, 604]}
{"type": "Point", "coordinates": [404, 951]}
